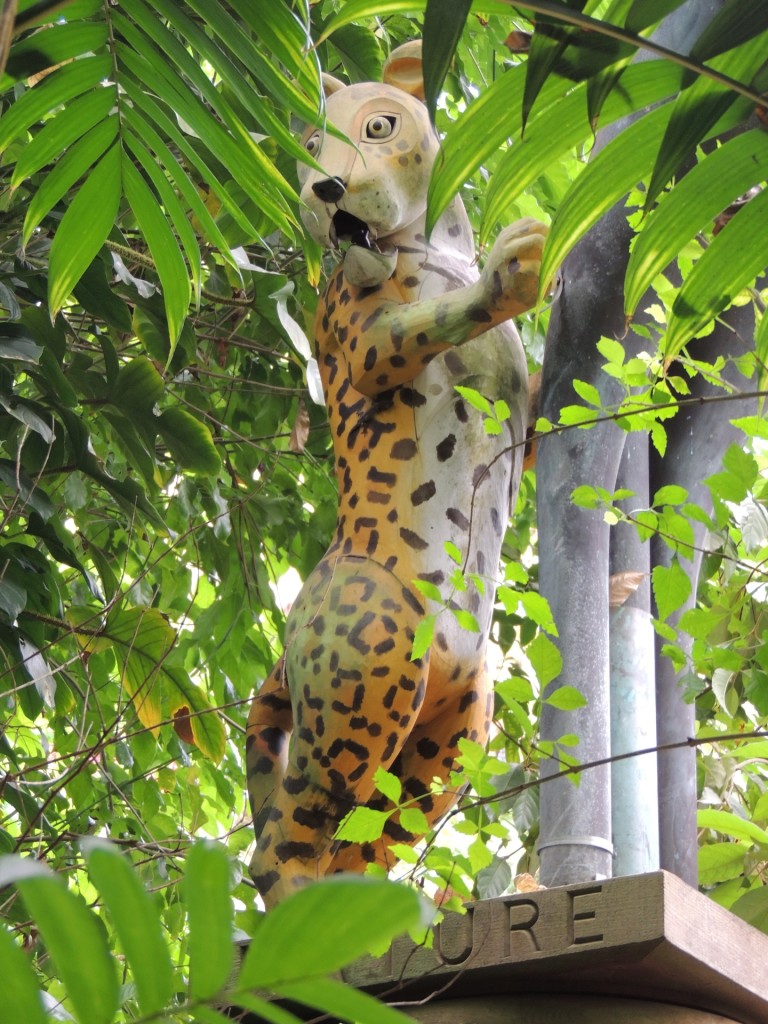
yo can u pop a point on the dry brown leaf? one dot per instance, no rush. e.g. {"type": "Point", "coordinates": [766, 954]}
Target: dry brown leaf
{"type": "Point", "coordinates": [527, 883]}
{"type": "Point", "coordinates": [300, 431]}
{"type": "Point", "coordinates": [622, 586]}
{"type": "Point", "coordinates": [182, 724]}
{"type": "Point", "coordinates": [518, 42]}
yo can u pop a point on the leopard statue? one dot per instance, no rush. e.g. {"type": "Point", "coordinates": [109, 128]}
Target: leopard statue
{"type": "Point", "coordinates": [404, 320]}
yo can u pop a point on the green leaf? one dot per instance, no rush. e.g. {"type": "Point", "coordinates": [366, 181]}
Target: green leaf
{"type": "Point", "coordinates": [753, 908]}
{"type": "Point", "coordinates": [671, 494]}
{"type": "Point", "coordinates": [414, 820]}
{"type": "Point", "coordinates": [537, 608]}
{"type": "Point", "coordinates": [698, 108]}
{"type": "Point", "coordinates": [695, 201]}
{"type": "Point", "coordinates": [362, 825]}
{"type": "Point", "coordinates": [164, 250]}
{"type": "Point", "coordinates": [138, 386]}
{"type": "Point", "coordinates": [211, 949]}
{"type": "Point", "coordinates": [56, 89]}
{"type": "Point", "coordinates": [718, 862]}
{"type": "Point", "coordinates": [566, 698]}
{"type": "Point", "coordinates": [443, 24]}
{"type": "Point", "coordinates": [616, 169]}
{"type": "Point", "coordinates": [545, 659]}
{"type": "Point", "coordinates": [388, 784]}
{"type": "Point", "coordinates": [72, 166]}
{"type": "Point", "coordinates": [563, 124]}
{"type": "Point", "coordinates": [49, 47]}
{"type": "Point", "coordinates": [468, 146]}
{"type": "Point", "coordinates": [142, 639]}
{"type": "Point", "coordinates": [60, 132]}
{"type": "Point", "coordinates": [288, 947]}
{"type": "Point", "coordinates": [21, 995]}
{"type": "Point", "coordinates": [59, 914]}
{"type": "Point", "coordinates": [735, 23]}
{"type": "Point", "coordinates": [466, 619]}
{"type": "Point", "coordinates": [429, 590]}
{"type": "Point", "coordinates": [136, 922]}
{"type": "Point", "coordinates": [84, 228]}
{"type": "Point", "coordinates": [360, 53]}
{"type": "Point", "coordinates": [731, 825]}
{"type": "Point", "coordinates": [644, 13]}
{"type": "Point", "coordinates": [423, 636]}
{"type": "Point", "coordinates": [733, 260]}
{"type": "Point", "coordinates": [547, 46]}
{"type": "Point", "coordinates": [189, 441]}
{"type": "Point", "coordinates": [475, 399]}
{"type": "Point", "coordinates": [588, 392]}
{"type": "Point", "coordinates": [671, 588]}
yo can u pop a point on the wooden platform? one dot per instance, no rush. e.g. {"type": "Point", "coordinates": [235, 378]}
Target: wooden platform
{"type": "Point", "coordinates": [646, 937]}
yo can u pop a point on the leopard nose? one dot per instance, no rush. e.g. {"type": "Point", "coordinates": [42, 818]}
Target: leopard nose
{"type": "Point", "coordinates": [330, 190]}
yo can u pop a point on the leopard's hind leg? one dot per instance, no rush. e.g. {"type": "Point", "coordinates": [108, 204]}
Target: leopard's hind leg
{"type": "Point", "coordinates": [356, 696]}
{"type": "Point", "coordinates": [270, 723]}
{"type": "Point", "coordinates": [429, 754]}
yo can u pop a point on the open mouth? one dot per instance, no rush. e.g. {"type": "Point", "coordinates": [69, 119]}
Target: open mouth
{"type": "Point", "coordinates": [345, 227]}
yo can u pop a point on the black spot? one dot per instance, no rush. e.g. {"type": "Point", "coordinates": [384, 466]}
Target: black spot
{"type": "Point", "coordinates": [412, 398]}
{"type": "Point", "coordinates": [469, 698]}
{"type": "Point", "coordinates": [393, 830]}
{"type": "Point", "coordinates": [478, 315]}
{"type": "Point", "coordinates": [293, 850]}
{"type": "Point", "coordinates": [376, 476]}
{"type": "Point", "coordinates": [265, 882]}
{"type": "Point", "coordinates": [357, 750]}
{"type": "Point", "coordinates": [454, 363]}
{"type": "Point", "coordinates": [358, 772]}
{"type": "Point", "coordinates": [411, 600]}
{"type": "Point", "coordinates": [374, 316]}
{"type": "Point", "coordinates": [404, 449]}
{"type": "Point", "coordinates": [457, 517]}
{"type": "Point", "coordinates": [460, 409]}
{"type": "Point", "coordinates": [311, 817]}
{"type": "Point", "coordinates": [427, 749]}
{"type": "Point", "coordinates": [389, 697]}
{"type": "Point", "coordinates": [423, 492]}
{"type": "Point", "coordinates": [391, 747]}
{"type": "Point", "coordinates": [480, 473]}
{"type": "Point", "coordinates": [294, 785]}
{"type": "Point", "coordinates": [445, 448]}
{"type": "Point", "coordinates": [273, 738]}
{"type": "Point", "coordinates": [413, 540]}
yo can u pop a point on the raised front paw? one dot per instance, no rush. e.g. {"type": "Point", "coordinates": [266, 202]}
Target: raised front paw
{"type": "Point", "coordinates": [510, 277]}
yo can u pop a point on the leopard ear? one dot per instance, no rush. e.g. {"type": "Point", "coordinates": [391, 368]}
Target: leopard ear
{"type": "Point", "coordinates": [330, 84]}
{"type": "Point", "coordinates": [403, 69]}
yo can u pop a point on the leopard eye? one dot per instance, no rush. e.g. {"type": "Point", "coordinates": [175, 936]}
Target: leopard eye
{"type": "Point", "coordinates": [380, 126]}
{"type": "Point", "coordinates": [312, 145]}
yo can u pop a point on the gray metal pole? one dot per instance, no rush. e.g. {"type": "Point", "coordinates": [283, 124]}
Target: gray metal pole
{"type": "Point", "coordinates": [633, 682]}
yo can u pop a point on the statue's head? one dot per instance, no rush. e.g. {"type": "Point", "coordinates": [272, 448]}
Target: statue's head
{"type": "Point", "coordinates": [375, 184]}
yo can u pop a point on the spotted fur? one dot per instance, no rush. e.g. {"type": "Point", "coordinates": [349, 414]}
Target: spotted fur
{"type": "Point", "coordinates": [396, 331]}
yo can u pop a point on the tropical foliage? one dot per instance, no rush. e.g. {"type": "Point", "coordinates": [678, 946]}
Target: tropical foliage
{"type": "Point", "coordinates": [165, 470]}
